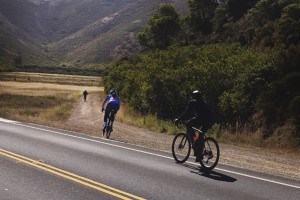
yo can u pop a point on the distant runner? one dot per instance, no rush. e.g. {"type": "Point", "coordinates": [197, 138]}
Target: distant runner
{"type": "Point", "coordinates": [85, 93]}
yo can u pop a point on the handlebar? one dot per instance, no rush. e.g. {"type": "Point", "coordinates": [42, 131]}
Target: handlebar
{"type": "Point", "coordinates": [178, 122]}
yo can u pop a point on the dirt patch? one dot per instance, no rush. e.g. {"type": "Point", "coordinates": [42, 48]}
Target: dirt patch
{"type": "Point", "coordinates": [87, 118]}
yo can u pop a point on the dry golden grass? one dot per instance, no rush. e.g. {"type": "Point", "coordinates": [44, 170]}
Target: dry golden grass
{"type": "Point", "coordinates": [150, 122]}
{"type": "Point", "coordinates": [42, 89]}
{"type": "Point", "coordinates": [283, 138]}
{"type": "Point", "coordinates": [242, 138]}
{"type": "Point", "coordinates": [37, 101]}
{"type": "Point", "coordinates": [51, 78]}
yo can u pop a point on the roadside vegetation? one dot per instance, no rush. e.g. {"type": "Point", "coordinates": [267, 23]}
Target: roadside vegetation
{"type": "Point", "coordinates": [244, 57]}
{"type": "Point", "coordinates": [150, 122]}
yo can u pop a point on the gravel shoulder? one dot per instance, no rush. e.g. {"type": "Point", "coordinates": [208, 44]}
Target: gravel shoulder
{"type": "Point", "coordinates": [87, 118]}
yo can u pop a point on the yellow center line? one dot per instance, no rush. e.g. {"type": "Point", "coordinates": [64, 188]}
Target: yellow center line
{"type": "Point", "coordinates": [68, 175]}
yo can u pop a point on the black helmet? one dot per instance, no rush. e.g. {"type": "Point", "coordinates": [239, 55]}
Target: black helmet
{"type": "Point", "coordinates": [113, 92]}
{"type": "Point", "coordinates": [197, 94]}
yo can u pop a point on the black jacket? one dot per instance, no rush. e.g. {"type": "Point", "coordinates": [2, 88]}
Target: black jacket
{"type": "Point", "coordinates": [198, 108]}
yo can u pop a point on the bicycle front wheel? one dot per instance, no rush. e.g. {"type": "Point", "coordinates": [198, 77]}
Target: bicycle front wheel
{"type": "Point", "coordinates": [181, 147]}
{"type": "Point", "coordinates": [211, 153]}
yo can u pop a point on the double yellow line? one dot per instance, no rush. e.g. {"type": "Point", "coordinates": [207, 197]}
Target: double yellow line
{"type": "Point", "coordinates": [70, 176]}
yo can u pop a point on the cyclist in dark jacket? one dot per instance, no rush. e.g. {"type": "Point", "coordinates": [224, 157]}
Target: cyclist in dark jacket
{"type": "Point", "coordinates": [202, 116]}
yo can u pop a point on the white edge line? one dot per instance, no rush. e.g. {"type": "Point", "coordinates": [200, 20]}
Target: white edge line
{"type": "Point", "coordinates": [153, 154]}
{"type": "Point", "coordinates": [258, 178]}
{"type": "Point", "coordinates": [7, 120]}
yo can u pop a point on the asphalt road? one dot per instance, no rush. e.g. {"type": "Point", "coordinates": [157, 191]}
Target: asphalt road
{"type": "Point", "coordinates": [39, 162]}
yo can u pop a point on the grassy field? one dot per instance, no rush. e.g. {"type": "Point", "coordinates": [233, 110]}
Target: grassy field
{"type": "Point", "coordinates": [42, 97]}
{"type": "Point", "coordinates": [51, 78]}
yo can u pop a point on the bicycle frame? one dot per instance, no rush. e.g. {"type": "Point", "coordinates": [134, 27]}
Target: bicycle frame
{"type": "Point", "coordinates": [111, 118]}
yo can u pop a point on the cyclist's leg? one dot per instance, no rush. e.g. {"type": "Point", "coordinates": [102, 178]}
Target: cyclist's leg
{"type": "Point", "coordinates": [198, 148]}
{"type": "Point", "coordinates": [191, 132]}
{"type": "Point", "coordinates": [115, 108]}
{"type": "Point", "coordinates": [200, 142]}
{"type": "Point", "coordinates": [206, 125]}
{"type": "Point", "coordinates": [106, 114]}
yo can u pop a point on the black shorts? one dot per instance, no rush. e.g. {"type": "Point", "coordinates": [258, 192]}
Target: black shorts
{"type": "Point", "coordinates": [199, 122]}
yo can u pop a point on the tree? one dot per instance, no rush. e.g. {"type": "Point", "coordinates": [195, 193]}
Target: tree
{"type": "Point", "coordinates": [201, 13]}
{"type": "Point", "coordinates": [161, 28]}
{"type": "Point", "coordinates": [289, 24]}
{"type": "Point", "coordinates": [238, 8]}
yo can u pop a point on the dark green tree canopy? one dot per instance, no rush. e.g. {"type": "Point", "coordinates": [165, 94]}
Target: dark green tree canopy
{"type": "Point", "coordinates": [201, 13]}
{"type": "Point", "coordinates": [289, 24]}
{"type": "Point", "coordinates": [161, 28]}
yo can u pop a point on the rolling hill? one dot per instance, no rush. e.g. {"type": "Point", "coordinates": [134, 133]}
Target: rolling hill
{"type": "Point", "coordinates": [72, 32]}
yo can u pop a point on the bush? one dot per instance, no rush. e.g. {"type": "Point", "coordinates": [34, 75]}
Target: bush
{"type": "Point", "coordinates": [230, 76]}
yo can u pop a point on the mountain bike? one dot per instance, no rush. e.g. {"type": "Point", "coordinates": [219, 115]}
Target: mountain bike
{"type": "Point", "coordinates": [109, 126]}
{"type": "Point", "coordinates": [183, 143]}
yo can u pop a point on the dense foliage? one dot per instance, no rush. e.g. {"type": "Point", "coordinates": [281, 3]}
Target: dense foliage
{"type": "Point", "coordinates": [160, 29]}
{"type": "Point", "coordinates": [243, 55]}
{"type": "Point", "coordinates": [160, 82]}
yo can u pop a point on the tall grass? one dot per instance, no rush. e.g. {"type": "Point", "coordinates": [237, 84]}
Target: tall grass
{"type": "Point", "coordinates": [61, 111]}
{"type": "Point", "coordinates": [35, 108]}
{"type": "Point", "coordinates": [284, 137]}
{"type": "Point", "coordinates": [149, 122]}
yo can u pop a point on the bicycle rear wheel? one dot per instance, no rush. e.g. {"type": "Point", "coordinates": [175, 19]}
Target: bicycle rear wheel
{"type": "Point", "coordinates": [211, 153]}
{"type": "Point", "coordinates": [109, 127]}
{"type": "Point", "coordinates": [107, 133]}
{"type": "Point", "coordinates": [181, 147]}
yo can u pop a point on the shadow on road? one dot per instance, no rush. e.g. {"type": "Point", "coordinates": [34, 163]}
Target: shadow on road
{"type": "Point", "coordinates": [209, 174]}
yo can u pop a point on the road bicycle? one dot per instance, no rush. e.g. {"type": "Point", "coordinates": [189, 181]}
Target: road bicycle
{"type": "Point", "coordinates": [183, 143]}
{"type": "Point", "coordinates": [109, 126]}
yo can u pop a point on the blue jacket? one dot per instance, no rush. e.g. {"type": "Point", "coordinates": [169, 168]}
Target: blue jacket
{"type": "Point", "coordinates": [111, 100]}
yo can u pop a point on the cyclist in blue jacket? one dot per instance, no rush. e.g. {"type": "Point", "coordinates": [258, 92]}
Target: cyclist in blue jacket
{"type": "Point", "coordinates": [113, 104]}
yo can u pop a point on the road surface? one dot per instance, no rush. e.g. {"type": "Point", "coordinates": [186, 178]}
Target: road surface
{"type": "Point", "coordinates": [38, 162]}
